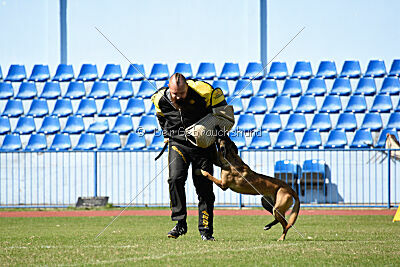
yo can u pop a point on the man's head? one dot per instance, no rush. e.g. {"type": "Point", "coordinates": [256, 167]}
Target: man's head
{"type": "Point", "coordinates": [178, 89]}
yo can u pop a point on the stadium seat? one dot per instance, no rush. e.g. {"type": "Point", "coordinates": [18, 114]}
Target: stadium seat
{"type": "Point", "coordinates": [394, 121]}
{"type": "Point", "coordinates": [75, 90]}
{"type": "Point", "coordinates": [278, 71]}
{"type": "Point", "coordinates": [311, 140]}
{"type": "Point", "coordinates": [395, 68]}
{"type": "Point", "coordinates": [376, 68]}
{"type": "Point", "coordinates": [351, 69]}
{"type": "Point", "coordinates": [25, 125]}
{"type": "Point", "coordinates": [372, 121]}
{"type": "Point", "coordinates": [112, 72]}
{"type": "Point", "coordinates": [306, 104]}
{"type": "Point", "coordinates": [341, 87]}
{"type": "Point", "coordinates": [321, 122]}
{"type": "Point", "coordinates": [327, 70]}
{"type": "Point", "coordinates": [159, 72]}
{"type": "Point", "coordinates": [246, 123]}
{"type": "Point", "coordinates": [223, 85]}
{"type": "Point", "coordinates": [38, 108]}
{"type": "Point", "coordinates": [288, 171]}
{"type": "Point", "coordinates": [111, 107]}
{"type": "Point", "coordinates": [362, 139]}
{"type": "Point", "coordinates": [27, 90]}
{"type": "Point", "coordinates": [1, 74]}
{"type": "Point", "coordinates": [152, 110]}
{"type": "Point", "coordinates": [37, 142]}
{"type": "Point", "coordinates": [61, 142]}
{"type": "Point", "coordinates": [331, 104]}
{"type": "Point", "coordinates": [336, 139]}
{"type": "Point", "coordinates": [391, 86]}
{"type": "Point", "coordinates": [382, 137]}
{"type": "Point", "coordinates": [314, 176]}
{"type": "Point", "coordinates": [316, 87]}
{"type": "Point", "coordinates": [239, 139]}
{"type": "Point", "coordinates": [254, 71]}
{"type": "Point", "coordinates": [135, 107]}
{"type": "Point", "coordinates": [356, 104]}
{"type": "Point", "coordinates": [271, 123]}
{"type": "Point", "coordinates": [135, 142]}
{"type": "Point", "coordinates": [51, 90]}
{"type": "Point", "coordinates": [236, 102]}
{"type": "Point", "coordinates": [243, 89]}
{"type": "Point", "coordinates": [88, 73]}
{"type": "Point", "coordinates": [296, 122]}
{"type": "Point", "coordinates": [99, 90]}
{"type": "Point", "coordinates": [146, 89]}
{"type": "Point", "coordinates": [123, 90]}
{"type": "Point", "coordinates": [110, 141]}
{"type": "Point", "coordinates": [260, 140]}
{"type": "Point", "coordinates": [135, 72]}
{"type": "Point", "coordinates": [64, 73]}
{"type": "Point", "coordinates": [347, 122]}
{"type": "Point", "coordinates": [302, 70]}
{"type": "Point", "coordinates": [292, 88]}
{"type": "Point", "coordinates": [86, 142]}
{"type": "Point", "coordinates": [206, 71]}
{"type": "Point", "coordinates": [148, 124]}
{"type": "Point", "coordinates": [50, 125]}
{"type": "Point", "coordinates": [11, 142]}
{"type": "Point", "coordinates": [398, 107]}
{"type": "Point", "coordinates": [123, 125]}
{"type": "Point", "coordinates": [157, 142]}
{"type": "Point", "coordinates": [74, 125]}
{"type": "Point", "coordinates": [13, 108]}
{"type": "Point", "coordinates": [62, 108]}
{"type": "Point", "coordinates": [230, 71]}
{"type": "Point", "coordinates": [257, 105]}
{"type": "Point", "coordinates": [98, 127]}
{"type": "Point", "coordinates": [282, 105]}
{"type": "Point", "coordinates": [87, 108]}
{"type": "Point", "coordinates": [40, 73]}
{"type": "Point", "coordinates": [5, 126]}
{"type": "Point", "coordinates": [366, 86]}
{"type": "Point", "coordinates": [268, 88]}
{"type": "Point", "coordinates": [6, 90]}
{"type": "Point", "coordinates": [16, 73]}
{"type": "Point", "coordinates": [285, 140]}
{"type": "Point", "coordinates": [185, 69]}
{"type": "Point", "coordinates": [382, 103]}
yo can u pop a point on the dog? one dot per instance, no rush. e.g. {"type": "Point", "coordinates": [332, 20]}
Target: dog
{"type": "Point", "coordinates": [238, 176]}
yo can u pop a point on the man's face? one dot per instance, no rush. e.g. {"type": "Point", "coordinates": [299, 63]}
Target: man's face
{"type": "Point", "coordinates": [178, 93]}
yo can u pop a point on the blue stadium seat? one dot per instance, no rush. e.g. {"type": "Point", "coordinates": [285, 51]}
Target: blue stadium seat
{"type": "Point", "coordinates": [40, 73]}
{"type": "Point", "coordinates": [246, 122]}
{"type": "Point", "coordinates": [1, 74]}
{"type": "Point", "coordinates": [341, 87]}
{"type": "Point", "coordinates": [382, 137]}
{"type": "Point", "coordinates": [75, 90]}
{"type": "Point", "coordinates": [135, 107]}
{"type": "Point", "coordinates": [332, 104]}
{"type": "Point", "coordinates": [148, 124]}
{"type": "Point", "coordinates": [398, 107]}
{"type": "Point", "coordinates": [37, 142]}
{"type": "Point", "coordinates": [372, 121]}
{"type": "Point", "coordinates": [135, 142]}
{"type": "Point", "coordinates": [206, 71]}
{"type": "Point", "coordinates": [302, 70]}
{"type": "Point", "coordinates": [50, 125]}
{"type": "Point", "coordinates": [347, 122]}
{"type": "Point", "coordinates": [296, 122]}
{"type": "Point", "coordinates": [292, 88]}
{"type": "Point", "coordinates": [351, 69]}
{"type": "Point", "coordinates": [146, 89]}
{"type": "Point", "coordinates": [123, 125]}
{"type": "Point", "coordinates": [278, 71]}
{"type": "Point", "coordinates": [64, 73]}
{"type": "Point", "coordinates": [271, 123]}
{"type": "Point", "coordinates": [391, 86]}
{"type": "Point", "coordinates": [5, 126]}
{"type": "Point", "coordinates": [25, 125]}
{"type": "Point", "coordinates": [230, 71]}
{"type": "Point", "coordinates": [394, 121]}
{"type": "Point", "coordinates": [311, 139]}
{"type": "Point", "coordinates": [152, 110]}
{"type": "Point", "coordinates": [88, 73]}
{"type": "Point", "coordinates": [51, 90]}
{"type": "Point", "coordinates": [110, 141]}
{"type": "Point", "coordinates": [185, 69]}
{"type": "Point", "coordinates": [268, 88]}
{"type": "Point", "coordinates": [306, 104]}
{"type": "Point", "coordinates": [123, 90]}
{"type": "Point", "coordinates": [27, 90]}
{"type": "Point", "coordinates": [61, 142]}
{"type": "Point", "coordinates": [112, 72]}
{"type": "Point", "coordinates": [87, 108]}
{"type": "Point", "coordinates": [257, 105]}
{"type": "Point", "coordinates": [288, 171]}
{"type": "Point", "coordinates": [260, 140]}
{"type": "Point", "coordinates": [62, 108]}
{"type": "Point", "coordinates": [395, 68]}
{"type": "Point", "coordinates": [356, 104]}
{"type": "Point", "coordinates": [314, 176]}
{"type": "Point", "coordinates": [16, 73]}
{"type": "Point", "coordinates": [376, 68]}
{"type": "Point", "coordinates": [236, 102]}
{"type": "Point", "coordinates": [13, 108]}
{"type": "Point", "coordinates": [38, 108]}
{"type": "Point", "coordinates": [6, 90]}
{"type": "Point", "coordinates": [157, 142]}
{"type": "Point", "coordinates": [74, 125]}
{"type": "Point", "coordinates": [366, 86]}
{"type": "Point", "coordinates": [11, 142]}
{"type": "Point", "coordinates": [362, 139]}
{"type": "Point", "coordinates": [111, 107]}
{"type": "Point", "coordinates": [382, 103]}
{"type": "Point", "coordinates": [159, 72]}
{"type": "Point", "coordinates": [327, 70]}
{"type": "Point", "coordinates": [254, 71]}
{"type": "Point", "coordinates": [321, 122]}
{"type": "Point", "coordinates": [135, 72]}
{"type": "Point", "coordinates": [239, 139]}
{"type": "Point", "coordinates": [223, 85]}
{"type": "Point", "coordinates": [99, 90]}
{"type": "Point", "coordinates": [336, 139]}
{"type": "Point", "coordinates": [316, 87]}
{"type": "Point", "coordinates": [86, 142]}
{"type": "Point", "coordinates": [98, 127]}
{"type": "Point", "coordinates": [285, 140]}
{"type": "Point", "coordinates": [243, 89]}
{"type": "Point", "coordinates": [282, 105]}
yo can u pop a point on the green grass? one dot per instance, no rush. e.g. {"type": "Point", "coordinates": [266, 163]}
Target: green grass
{"type": "Point", "coordinates": [336, 240]}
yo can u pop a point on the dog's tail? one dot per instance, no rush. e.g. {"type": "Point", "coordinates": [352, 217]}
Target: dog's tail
{"type": "Point", "coordinates": [295, 210]}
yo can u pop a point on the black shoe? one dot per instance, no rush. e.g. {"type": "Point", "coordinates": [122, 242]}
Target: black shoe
{"type": "Point", "coordinates": [178, 230]}
{"type": "Point", "coordinates": [207, 237]}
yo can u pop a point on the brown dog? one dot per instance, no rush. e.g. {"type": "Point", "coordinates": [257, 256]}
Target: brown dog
{"type": "Point", "coordinates": [237, 176]}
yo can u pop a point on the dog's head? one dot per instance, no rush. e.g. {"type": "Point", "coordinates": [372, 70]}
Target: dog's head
{"type": "Point", "coordinates": [226, 146]}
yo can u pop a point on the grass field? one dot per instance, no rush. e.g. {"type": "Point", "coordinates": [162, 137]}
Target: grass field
{"type": "Point", "coordinates": [332, 240]}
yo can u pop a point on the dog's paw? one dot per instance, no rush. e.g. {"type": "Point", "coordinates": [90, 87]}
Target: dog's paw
{"type": "Point", "coordinates": [267, 227]}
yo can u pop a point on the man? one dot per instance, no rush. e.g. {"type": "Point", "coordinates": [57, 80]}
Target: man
{"type": "Point", "coordinates": [178, 106]}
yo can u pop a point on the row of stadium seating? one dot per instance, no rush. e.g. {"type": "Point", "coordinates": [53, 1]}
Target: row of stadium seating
{"type": "Point", "coordinates": [206, 71]}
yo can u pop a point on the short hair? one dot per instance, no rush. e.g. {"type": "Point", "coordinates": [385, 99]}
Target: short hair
{"type": "Point", "coordinates": [179, 78]}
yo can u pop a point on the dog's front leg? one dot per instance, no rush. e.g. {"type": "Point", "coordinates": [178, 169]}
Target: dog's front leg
{"type": "Point", "coordinates": [213, 179]}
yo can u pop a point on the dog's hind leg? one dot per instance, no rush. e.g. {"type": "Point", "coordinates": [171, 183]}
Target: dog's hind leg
{"type": "Point", "coordinates": [267, 203]}
{"type": "Point", "coordinates": [283, 203]}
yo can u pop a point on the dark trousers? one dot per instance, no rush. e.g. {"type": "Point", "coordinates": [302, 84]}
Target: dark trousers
{"type": "Point", "coordinates": [180, 157]}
